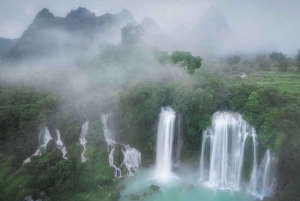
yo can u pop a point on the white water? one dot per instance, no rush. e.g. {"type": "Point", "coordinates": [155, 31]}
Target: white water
{"type": "Point", "coordinates": [165, 135]}
{"type": "Point", "coordinates": [222, 156]}
{"type": "Point", "coordinates": [82, 139]}
{"type": "Point", "coordinates": [263, 181]}
{"type": "Point", "coordinates": [44, 138]}
{"type": "Point", "coordinates": [178, 141]}
{"type": "Point", "coordinates": [132, 157]}
{"type": "Point", "coordinates": [107, 123]}
{"type": "Point", "coordinates": [60, 144]}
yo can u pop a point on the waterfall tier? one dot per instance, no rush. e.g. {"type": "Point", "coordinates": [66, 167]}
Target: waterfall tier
{"type": "Point", "coordinates": [44, 138]}
{"type": "Point", "coordinates": [60, 144]}
{"type": "Point", "coordinates": [82, 139]}
{"type": "Point", "coordinates": [223, 153]}
{"type": "Point", "coordinates": [164, 146]}
{"type": "Point", "coordinates": [131, 156]}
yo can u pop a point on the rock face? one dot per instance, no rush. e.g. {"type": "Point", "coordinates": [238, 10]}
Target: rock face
{"type": "Point", "coordinates": [155, 35]}
{"type": "Point", "coordinates": [154, 187]}
{"type": "Point", "coordinates": [134, 197]}
{"type": "Point", "coordinates": [210, 34]}
{"type": "Point", "coordinates": [5, 45]}
{"type": "Point", "coordinates": [48, 35]}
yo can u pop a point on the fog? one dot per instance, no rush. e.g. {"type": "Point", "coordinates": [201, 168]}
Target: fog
{"type": "Point", "coordinates": [270, 24]}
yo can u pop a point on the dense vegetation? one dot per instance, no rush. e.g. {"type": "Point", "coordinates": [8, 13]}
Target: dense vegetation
{"type": "Point", "coordinates": [133, 81]}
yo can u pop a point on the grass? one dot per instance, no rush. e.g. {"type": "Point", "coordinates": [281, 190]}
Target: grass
{"type": "Point", "coordinates": [289, 82]}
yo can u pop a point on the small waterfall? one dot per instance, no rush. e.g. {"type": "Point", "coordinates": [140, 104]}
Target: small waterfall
{"type": "Point", "coordinates": [222, 156]}
{"type": "Point", "coordinates": [204, 159]}
{"type": "Point", "coordinates": [111, 151]}
{"type": "Point", "coordinates": [107, 122]}
{"type": "Point", "coordinates": [178, 141]}
{"type": "Point", "coordinates": [82, 140]}
{"type": "Point", "coordinates": [109, 135]}
{"type": "Point", "coordinates": [164, 144]}
{"type": "Point", "coordinates": [44, 138]}
{"type": "Point", "coordinates": [253, 178]}
{"type": "Point", "coordinates": [132, 158]}
{"type": "Point", "coordinates": [60, 144]}
{"type": "Point", "coordinates": [263, 183]}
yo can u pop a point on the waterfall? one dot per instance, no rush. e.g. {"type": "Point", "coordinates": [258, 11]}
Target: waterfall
{"type": "Point", "coordinates": [60, 144]}
{"type": "Point", "coordinates": [164, 144]}
{"type": "Point", "coordinates": [44, 138]}
{"type": "Point", "coordinates": [178, 141]}
{"type": "Point", "coordinates": [109, 135]}
{"type": "Point", "coordinates": [108, 130]}
{"type": "Point", "coordinates": [222, 156]}
{"type": "Point", "coordinates": [263, 181]}
{"type": "Point", "coordinates": [82, 140]}
{"type": "Point", "coordinates": [253, 179]}
{"type": "Point", "coordinates": [132, 158]}
{"type": "Point", "coordinates": [204, 159]}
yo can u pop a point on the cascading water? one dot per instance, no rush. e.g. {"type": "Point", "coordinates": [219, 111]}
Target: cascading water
{"type": "Point", "coordinates": [61, 145]}
{"type": "Point", "coordinates": [205, 154]}
{"type": "Point", "coordinates": [106, 120]}
{"type": "Point", "coordinates": [132, 157]}
{"type": "Point", "coordinates": [165, 134]}
{"type": "Point", "coordinates": [178, 141]}
{"type": "Point", "coordinates": [263, 181]}
{"type": "Point", "coordinates": [44, 138]}
{"type": "Point", "coordinates": [107, 123]}
{"type": "Point", "coordinates": [82, 140]}
{"type": "Point", "coordinates": [222, 156]}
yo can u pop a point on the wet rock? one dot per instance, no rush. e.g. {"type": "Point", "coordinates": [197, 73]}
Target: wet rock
{"type": "Point", "coordinates": [134, 197]}
{"type": "Point", "coordinates": [176, 170]}
{"type": "Point", "coordinates": [154, 187]}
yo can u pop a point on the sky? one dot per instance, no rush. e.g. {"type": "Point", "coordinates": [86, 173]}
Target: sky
{"type": "Point", "coordinates": [262, 23]}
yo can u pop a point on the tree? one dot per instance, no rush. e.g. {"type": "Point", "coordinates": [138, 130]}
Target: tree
{"type": "Point", "coordinates": [233, 60]}
{"type": "Point", "coordinates": [297, 59]}
{"type": "Point", "coordinates": [277, 56]}
{"type": "Point", "coordinates": [131, 34]}
{"type": "Point", "coordinates": [281, 59]}
{"type": "Point", "coordinates": [263, 62]}
{"type": "Point", "coordinates": [186, 59]}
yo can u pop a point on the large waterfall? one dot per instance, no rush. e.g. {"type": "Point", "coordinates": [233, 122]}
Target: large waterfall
{"type": "Point", "coordinates": [82, 139]}
{"type": "Point", "coordinates": [223, 153]}
{"type": "Point", "coordinates": [132, 157]}
{"type": "Point", "coordinates": [165, 136]}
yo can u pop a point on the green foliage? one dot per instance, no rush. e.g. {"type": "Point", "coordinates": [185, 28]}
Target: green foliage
{"type": "Point", "coordinates": [131, 34]}
{"type": "Point", "coordinates": [297, 59]}
{"type": "Point", "coordinates": [233, 60]}
{"type": "Point", "coordinates": [182, 59]}
{"type": "Point", "coordinates": [277, 56]}
{"type": "Point", "coordinates": [263, 62]}
{"type": "Point", "coordinates": [186, 59]}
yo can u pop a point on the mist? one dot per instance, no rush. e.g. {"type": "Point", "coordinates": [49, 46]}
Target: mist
{"type": "Point", "coordinates": [256, 25]}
